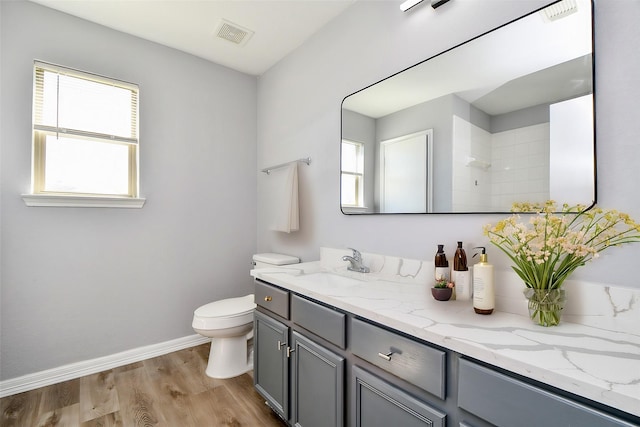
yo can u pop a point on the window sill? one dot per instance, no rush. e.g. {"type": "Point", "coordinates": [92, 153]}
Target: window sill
{"type": "Point", "coordinates": [354, 209]}
{"type": "Point", "coordinates": [39, 200]}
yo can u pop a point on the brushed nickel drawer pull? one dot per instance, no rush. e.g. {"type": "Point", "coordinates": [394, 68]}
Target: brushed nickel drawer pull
{"type": "Point", "coordinates": [281, 344]}
{"type": "Point", "coordinates": [386, 356]}
{"type": "Point", "coordinates": [267, 298]}
{"type": "Point", "coordinates": [289, 351]}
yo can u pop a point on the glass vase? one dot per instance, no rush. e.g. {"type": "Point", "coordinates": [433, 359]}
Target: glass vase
{"type": "Point", "coordinates": [545, 306]}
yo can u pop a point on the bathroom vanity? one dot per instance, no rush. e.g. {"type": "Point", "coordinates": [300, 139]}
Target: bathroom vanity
{"type": "Point", "coordinates": [332, 348]}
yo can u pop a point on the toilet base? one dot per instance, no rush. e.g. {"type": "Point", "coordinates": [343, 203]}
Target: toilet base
{"type": "Point", "coordinates": [229, 357]}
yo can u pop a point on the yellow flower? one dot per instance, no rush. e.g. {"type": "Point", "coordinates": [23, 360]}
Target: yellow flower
{"type": "Point", "coordinates": [551, 244]}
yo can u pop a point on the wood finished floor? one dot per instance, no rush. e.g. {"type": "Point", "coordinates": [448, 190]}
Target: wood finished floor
{"type": "Point", "coordinates": [170, 390]}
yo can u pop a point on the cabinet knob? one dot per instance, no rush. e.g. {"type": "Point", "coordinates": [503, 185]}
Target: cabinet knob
{"type": "Point", "coordinates": [267, 298]}
{"type": "Point", "coordinates": [386, 356]}
{"type": "Point", "coordinates": [281, 344]}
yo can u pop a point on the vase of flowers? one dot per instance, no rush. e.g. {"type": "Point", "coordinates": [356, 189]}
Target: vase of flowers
{"type": "Point", "coordinates": [552, 244]}
{"type": "Point", "coordinates": [545, 305]}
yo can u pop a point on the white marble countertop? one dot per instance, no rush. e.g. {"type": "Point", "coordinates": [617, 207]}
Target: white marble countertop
{"type": "Point", "coordinates": [598, 363]}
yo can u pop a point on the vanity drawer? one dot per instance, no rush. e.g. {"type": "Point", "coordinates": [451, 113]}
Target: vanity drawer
{"type": "Point", "coordinates": [272, 298]}
{"type": "Point", "coordinates": [506, 401]}
{"type": "Point", "coordinates": [410, 360]}
{"type": "Point", "coordinates": [320, 320]}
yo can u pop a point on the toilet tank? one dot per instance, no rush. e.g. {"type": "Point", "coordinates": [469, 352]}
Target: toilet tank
{"type": "Point", "coordinates": [269, 259]}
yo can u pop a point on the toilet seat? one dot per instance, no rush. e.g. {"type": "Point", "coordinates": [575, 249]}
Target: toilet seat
{"type": "Point", "coordinates": [227, 307]}
{"type": "Point", "coordinates": [227, 313]}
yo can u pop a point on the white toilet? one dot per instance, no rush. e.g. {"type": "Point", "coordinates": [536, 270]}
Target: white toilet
{"type": "Point", "coordinates": [229, 322]}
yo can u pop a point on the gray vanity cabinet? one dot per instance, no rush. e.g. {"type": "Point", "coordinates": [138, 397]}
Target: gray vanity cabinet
{"type": "Point", "coordinates": [318, 366]}
{"type": "Point", "coordinates": [378, 403]}
{"type": "Point", "coordinates": [271, 365]}
{"type": "Point", "coordinates": [317, 392]}
{"type": "Point", "coordinates": [300, 379]}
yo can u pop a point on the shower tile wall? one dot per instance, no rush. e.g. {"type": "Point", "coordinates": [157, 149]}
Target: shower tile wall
{"type": "Point", "coordinates": [519, 166]}
{"type": "Point", "coordinates": [472, 184]}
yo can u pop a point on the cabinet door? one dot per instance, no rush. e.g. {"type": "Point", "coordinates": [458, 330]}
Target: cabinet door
{"type": "Point", "coordinates": [270, 364]}
{"type": "Point", "coordinates": [317, 392]}
{"type": "Point", "coordinates": [377, 403]}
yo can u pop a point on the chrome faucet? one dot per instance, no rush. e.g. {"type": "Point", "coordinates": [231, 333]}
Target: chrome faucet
{"type": "Point", "coordinates": [355, 262]}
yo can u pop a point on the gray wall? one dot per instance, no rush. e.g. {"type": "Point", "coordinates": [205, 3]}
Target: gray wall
{"type": "Point", "coordinates": [299, 114]}
{"type": "Point", "coordinates": [80, 283]}
{"type": "Point", "coordinates": [520, 118]}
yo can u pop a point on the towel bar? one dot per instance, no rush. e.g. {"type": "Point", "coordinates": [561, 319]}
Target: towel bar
{"type": "Point", "coordinates": [306, 160]}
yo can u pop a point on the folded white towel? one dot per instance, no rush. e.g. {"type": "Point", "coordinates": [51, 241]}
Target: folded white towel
{"type": "Point", "coordinates": [284, 186]}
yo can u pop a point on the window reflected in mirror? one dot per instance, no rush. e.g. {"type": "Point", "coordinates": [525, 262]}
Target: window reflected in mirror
{"type": "Point", "coordinates": [352, 178]}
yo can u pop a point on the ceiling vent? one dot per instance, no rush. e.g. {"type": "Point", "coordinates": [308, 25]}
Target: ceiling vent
{"type": "Point", "coordinates": [233, 33]}
{"type": "Point", "coordinates": [559, 10]}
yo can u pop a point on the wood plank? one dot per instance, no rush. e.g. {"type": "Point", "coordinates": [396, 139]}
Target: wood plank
{"type": "Point", "coordinates": [192, 367]}
{"type": "Point", "coordinates": [62, 417]}
{"type": "Point", "coordinates": [138, 402]}
{"type": "Point", "coordinates": [60, 395]}
{"type": "Point", "coordinates": [243, 391]}
{"type": "Point", "coordinates": [98, 395]}
{"type": "Point", "coordinates": [171, 388]}
{"type": "Point", "coordinates": [110, 420]}
{"type": "Point", "coordinates": [20, 409]}
{"type": "Point", "coordinates": [227, 412]}
{"type": "Point", "coordinates": [203, 409]}
{"type": "Point", "coordinates": [164, 373]}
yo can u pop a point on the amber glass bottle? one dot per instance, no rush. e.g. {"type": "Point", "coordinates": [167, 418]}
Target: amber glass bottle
{"type": "Point", "coordinates": [442, 265]}
{"type": "Point", "coordinates": [461, 275]}
{"type": "Point", "coordinates": [460, 259]}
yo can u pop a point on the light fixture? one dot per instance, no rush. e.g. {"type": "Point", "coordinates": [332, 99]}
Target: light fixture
{"type": "Point", "coordinates": [437, 3]}
{"type": "Point", "coordinates": [410, 3]}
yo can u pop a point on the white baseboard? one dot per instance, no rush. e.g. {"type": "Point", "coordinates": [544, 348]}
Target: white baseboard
{"type": "Point", "coordinates": [88, 367]}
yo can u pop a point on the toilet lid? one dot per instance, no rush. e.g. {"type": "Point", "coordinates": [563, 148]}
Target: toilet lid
{"type": "Point", "coordinates": [276, 259]}
{"type": "Point", "coordinates": [227, 307]}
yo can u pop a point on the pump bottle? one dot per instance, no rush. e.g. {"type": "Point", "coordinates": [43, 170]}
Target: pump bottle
{"type": "Point", "coordinates": [483, 288]}
{"type": "Point", "coordinates": [441, 264]}
{"type": "Point", "coordinates": [461, 275]}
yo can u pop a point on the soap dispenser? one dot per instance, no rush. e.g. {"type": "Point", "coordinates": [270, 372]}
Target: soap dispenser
{"type": "Point", "coordinates": [461, 275]}
{"type": "Point", "coordinates": [442, 265]}
{"type": "Point", "coordinates": [483, 289]}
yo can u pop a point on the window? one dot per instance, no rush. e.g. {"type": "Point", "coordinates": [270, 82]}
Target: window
{"type": "Point", "coordinates": [85, 135]}
{"type": "Point", "coordinates": [352, 182]}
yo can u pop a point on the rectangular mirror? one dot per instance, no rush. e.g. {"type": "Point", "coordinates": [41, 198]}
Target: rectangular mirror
{"type": "Point", "coordinates": [507, 116]}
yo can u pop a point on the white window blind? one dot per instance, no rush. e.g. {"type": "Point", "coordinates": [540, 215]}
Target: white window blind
{"type": "Point", "coordinates": [76, 103]}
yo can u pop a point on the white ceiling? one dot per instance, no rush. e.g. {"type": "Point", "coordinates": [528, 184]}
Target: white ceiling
{"type": "Point", "coordinates": [279, 26]}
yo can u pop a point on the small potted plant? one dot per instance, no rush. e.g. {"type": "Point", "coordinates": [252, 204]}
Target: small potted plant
{"type": "Point", "coordinates": [442, 290]}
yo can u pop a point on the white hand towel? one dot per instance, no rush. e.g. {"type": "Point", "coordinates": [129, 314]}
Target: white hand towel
{"type": "Point", "coordinates": [284, 186]}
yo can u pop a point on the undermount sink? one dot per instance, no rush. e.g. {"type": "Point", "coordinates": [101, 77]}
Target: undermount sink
{"type": "Point", "coordinates": [330, 279]}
